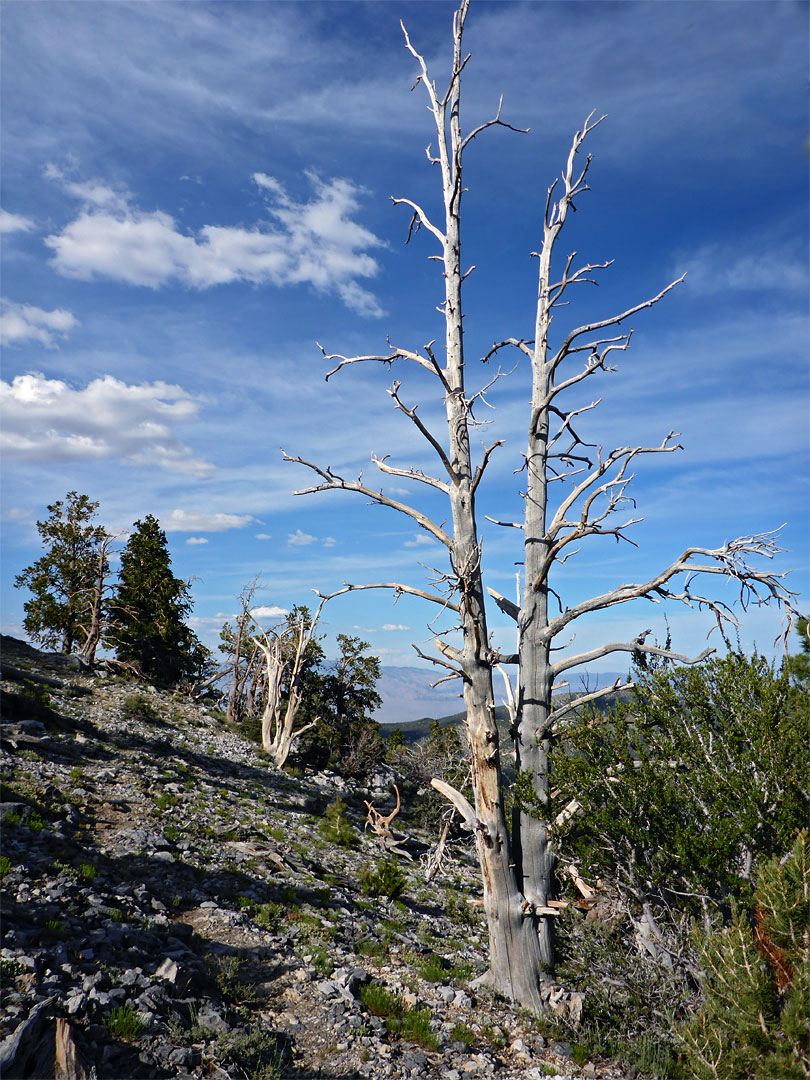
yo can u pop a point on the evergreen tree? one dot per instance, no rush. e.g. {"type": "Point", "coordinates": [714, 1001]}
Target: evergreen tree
{"type": "Point", "coordinates": [345, 737]}
{"type": "Point", "coordinates": [690, 786]}
{"type": "Point", "coordinates": [754, 1022]}
{"type": "Point", "coordinates": [64, 581]}
{"type": "Point", "coordinates": [149, 633]}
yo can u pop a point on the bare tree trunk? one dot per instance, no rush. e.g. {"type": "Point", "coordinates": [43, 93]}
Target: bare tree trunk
{"type": "Point", "coordinates": [96, 604]}
{"type": "Point", "coordinates": [517, 872]}
{"type": "Point", "coordinates": [279, 733]}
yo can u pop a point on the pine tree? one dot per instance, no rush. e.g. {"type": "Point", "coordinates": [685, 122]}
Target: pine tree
{"type": "Point", "coordinates": [755, 1022]}
{"type": "Point", "coordinates": [64, 581]}
{"type": "Point", "coordinates": [150, 635]}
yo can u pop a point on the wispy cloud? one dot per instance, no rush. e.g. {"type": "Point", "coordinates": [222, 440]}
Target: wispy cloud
{"type": "Point", "coordinates": [715, 268]}
{"type": "Point", "coordinates": [200, 521]}
{"type": "Point", "coordinates": [307, 243]}
{"type": "Point", "coordinates": [197, 540]}
{"type": "Point", "coordinates": [10, 223]}
{"type": "Point", "coordinates": [47, 420]}
{"type": "Point", "coordinates": [24, 322]}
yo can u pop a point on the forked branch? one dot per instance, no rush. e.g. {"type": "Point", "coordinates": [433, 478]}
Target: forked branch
{"type": "Point", "coordinates": [333, 482]}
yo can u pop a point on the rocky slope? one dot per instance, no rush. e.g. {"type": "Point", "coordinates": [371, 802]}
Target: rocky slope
{"type": "Point", "coordinates": [173, 908]}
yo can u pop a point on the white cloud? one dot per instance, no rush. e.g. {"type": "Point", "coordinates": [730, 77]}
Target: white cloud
{"type": "Point", "coordinates": [715, 268]}
{"type": "Point", "coordinates": [313, 243]}
{"type": "Point", "coordinates": [24, 322]}
{"type": "Point", "coordinates": [200, 521]}
{"type": "Point", "coordinates": [10, 223]}
{"type": "Point", "coordinates": [329, 541]}
{"type": "Point", "coordinates": [265, 612]}
{"type": "Point", "coordinates": [264, 536]}
{"type": "Point", "coordinates": [301, 539]}
{"type": "Point", "coordinates": [48, 420]}
{"type": "Point", "coordinates": [395, 626]}
{"type": "Point", "coordinates": [420, 540]}
{"type": "Point", "coordinates": [197, 540]}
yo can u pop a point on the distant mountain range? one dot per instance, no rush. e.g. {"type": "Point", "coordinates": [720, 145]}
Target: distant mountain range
{"type": "Point", "coordinates": [407, 694]}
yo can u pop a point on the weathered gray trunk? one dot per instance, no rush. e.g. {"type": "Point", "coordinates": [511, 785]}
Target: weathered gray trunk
{"type": "Point", "coordinates": [515, 957]}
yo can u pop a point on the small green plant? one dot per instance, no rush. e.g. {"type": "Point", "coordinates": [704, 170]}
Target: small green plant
{"type": "Point", "coordinates": [5, 865]}
{"type": "Point", "coordinates": [166, 800]}
{"type": "Point", "coordinates": [430, 968]}
{"type": "Point", "coordinates": [335, 827]}
{"type": "Point", "coordinates": [171, 832]}
{"type": "Point", "coordinates": [461, 1033]}
{"type": "Point", "coordinates": [494, 1036]}
{"type": "Point", "coordinates": [116, 914]}
{"type": "Point", "coordinates": [138, 707]}
{"type": "Point", "coordinates": [368, 947]}
{"type": "Point", "coordinates": [321, 960]}
{"type": "Point", "coordinates": [36, 822]}
{"type": "Point", "coordinates": [124, 1023]}
{"type": "Point", "coordinates": [11, 819]}
{"type": "Point", "coordinates": [55, 928]}
{"type": "Point", "coordinates": [289, 894]}
{"type": "Point", "coordinates": [10, 969]}
{"type": "Point", "coordinates": [260, 1054]}
{"type": "Point", "coordinates": [87, 872]}
{"type": "Point", "coordinates": [386, 880]}
{"type": "Point", "coordinates": [381, 1002]}
{"type": "Point", "coordinates": [76, 776]}
{"type": "Point", "coordinates": [267, 915]}
{"type": "Point", "coordinates": [415, 1026]}
{"type": "Point", "coordinates": [277, 833]}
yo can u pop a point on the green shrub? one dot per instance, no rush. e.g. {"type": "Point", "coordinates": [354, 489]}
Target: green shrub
{"type": "Point", "coordinates": [415, 1026]}
{"type": "Point", "coordinates": [386, 880]}
{"type": "Point", "coordinates": [87, 872]}
{"type": "Point", "coordinates": [368, 947]}
{"type": "Point", "coordinates": [411, 1024]}
{"type": "Point", "coordinates": [259, 1053]}
{"type": "Point", "coordinates": [5, 865]}
{"type": "Point", "coordinates": [381, 1002]}
{"type": "Point", "coordinates": [138, 707]}
{"type": "Point", "coordinates": [267, 915]}
{"type": "Point", "coordinates": [335, 828]}
{"type": "Point", "coordinates": [692, 784]}
{"type": "Point", "coordinates": [461, 1033]}
{"type": "Point", "coordinates": [757, 984]}
{"type": "Point", "coordinates": [124, 1023]}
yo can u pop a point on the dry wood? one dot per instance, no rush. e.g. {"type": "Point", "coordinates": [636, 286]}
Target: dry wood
{"type": "Point", "coordinates": [517, 862]}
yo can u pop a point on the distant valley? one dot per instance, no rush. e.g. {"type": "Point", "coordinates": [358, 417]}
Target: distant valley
{"type": "Point", "coordinates": [408, 696]}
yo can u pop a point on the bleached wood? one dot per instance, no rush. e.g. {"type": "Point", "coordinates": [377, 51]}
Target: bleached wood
{"type": "Point", "coordinates": [461, 803]}
{"type": "Point", "coordinates": [517, 860]}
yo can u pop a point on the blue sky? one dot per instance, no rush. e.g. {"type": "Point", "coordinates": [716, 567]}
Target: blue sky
{"type": "Point", "coordinates": [194, 194]}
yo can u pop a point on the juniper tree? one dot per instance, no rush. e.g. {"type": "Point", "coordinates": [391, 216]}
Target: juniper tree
{"type": "Point", "coordinates": [516, 859]}
{"type": "Point", "coordinates": [68, 582]}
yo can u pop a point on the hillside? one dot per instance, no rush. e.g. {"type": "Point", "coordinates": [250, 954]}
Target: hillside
{"type": "Point", "coordinates": [172, 908]}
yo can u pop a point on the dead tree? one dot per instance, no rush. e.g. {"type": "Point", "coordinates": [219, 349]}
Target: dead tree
{"type": "Point", "coordinates": [284, 650]}
{"type": "Point", "coordinates": [517, 869]}
{"type": "Point", "coordinates": [240, 667]}
{"type": "Point", "coordinates": [94, 604]}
